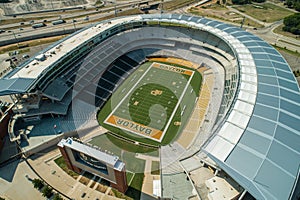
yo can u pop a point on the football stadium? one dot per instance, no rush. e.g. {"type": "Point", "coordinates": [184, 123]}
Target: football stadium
{"type": "Point", "coordinates": [215, 106]}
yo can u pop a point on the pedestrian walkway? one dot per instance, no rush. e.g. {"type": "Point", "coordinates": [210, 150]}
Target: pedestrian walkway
{"type": "Point", "coordinates": [50, 172]}
{"type": "Point", "coordinates": [147, 187]}
{"type": "Point", "coordinates": [14, 184]}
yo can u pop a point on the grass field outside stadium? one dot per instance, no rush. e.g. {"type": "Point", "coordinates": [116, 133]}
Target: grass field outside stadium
{"type": "Point", "coordinates": [153, 103]}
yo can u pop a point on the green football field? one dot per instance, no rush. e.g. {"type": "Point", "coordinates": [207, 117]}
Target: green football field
{"type": "Point", "coordinates": [153, 103]}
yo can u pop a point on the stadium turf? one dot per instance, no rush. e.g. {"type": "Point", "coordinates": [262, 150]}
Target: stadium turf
{"type": "Point", "coordinates": [152, 104]}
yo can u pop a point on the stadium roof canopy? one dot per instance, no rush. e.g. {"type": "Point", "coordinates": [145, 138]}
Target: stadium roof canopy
{"type": "Point", "coordinates": [88, 150]}
{"type": "Point", "coordinates": [258, 142]}
{"type": "Point", "coordinates": [14, 85]}
{"type": "Point", "coordinates": [25, 76]}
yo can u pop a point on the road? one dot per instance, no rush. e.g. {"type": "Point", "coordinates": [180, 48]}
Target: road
{"type": "Point", "coordinates": [17, 33]}
{"type": "Point", "coordinates": [28, 13]}
{"type": "Point", "coordinates": [72, 14]}
{"type": "Point", "coordinates": [268, 35]}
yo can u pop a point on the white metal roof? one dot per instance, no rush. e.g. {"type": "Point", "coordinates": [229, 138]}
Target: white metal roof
{"type": "Point", "coordinates": [93, 152]}
{"type": "Point", "coordinates": [35, 68]}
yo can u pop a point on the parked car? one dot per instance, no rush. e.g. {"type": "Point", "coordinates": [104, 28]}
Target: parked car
{"type": "Point", "coordinates": [25, 56]}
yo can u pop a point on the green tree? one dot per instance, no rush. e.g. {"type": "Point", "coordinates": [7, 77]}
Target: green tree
{"type": "Point", "coordinates": [47, 191]}
{"type": "Point", "coordinates": [57, 197]}
{"type": "Point", "coordinates": [37, 183]}
{"type": "Point", "coordinates": [289, 3]}
{"type": "Point", "coordinates": [297, 6]}
{"type": "Point", "coordinates": [241, 2]}
{"type": "Point", "coordinates": [292, 23]}
{"type": "Point", "coordinates": [259, 1]}
{"type": "Point", "coordinates": [293, 4]}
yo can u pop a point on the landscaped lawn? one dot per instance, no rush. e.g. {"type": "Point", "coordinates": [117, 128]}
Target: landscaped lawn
{"type": "Point", "coordinates": [155, 169]}
{"type": "Point", "coordinates": [62, 164]}
{"type": "Point", "coordinates": [285, 33]}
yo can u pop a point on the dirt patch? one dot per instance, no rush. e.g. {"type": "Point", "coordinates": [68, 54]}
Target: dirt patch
{"type": "Point", "coordinates": [221, 12]}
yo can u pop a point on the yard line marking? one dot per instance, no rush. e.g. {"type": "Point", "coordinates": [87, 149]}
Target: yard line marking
{"type": "Point", "coordinates": [122, 122]}
{"type": "Point", "coordinates": [128, 92]}
{"type": "Point", "coordinates": [177, 105]}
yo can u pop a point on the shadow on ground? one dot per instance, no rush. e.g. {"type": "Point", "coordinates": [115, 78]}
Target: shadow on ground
{"type": "Point", "coordinates": [7, 171]}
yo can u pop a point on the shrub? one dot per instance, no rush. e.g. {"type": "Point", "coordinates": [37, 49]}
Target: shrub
{"type": "Point", "coordinates": [57, 197]}
{"type": "Point", "coordinates": [37, 183]}
{"type": "Point", "coordinates": [47, 191]}
{"type": "Point", "coordinates": [292, 24]}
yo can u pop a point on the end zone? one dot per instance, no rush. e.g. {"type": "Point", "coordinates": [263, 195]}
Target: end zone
{"type": "Point", "coordinates": [134, 127]}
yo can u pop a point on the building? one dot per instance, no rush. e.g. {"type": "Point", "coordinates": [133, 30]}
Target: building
{"type": "Point", "coordinates": [79, 156]}
{"type": "Point", "coordinates": [5, 115]}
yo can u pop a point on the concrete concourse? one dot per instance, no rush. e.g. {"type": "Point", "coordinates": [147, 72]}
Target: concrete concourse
{"type": "Point", "coordinates": [45, 166]}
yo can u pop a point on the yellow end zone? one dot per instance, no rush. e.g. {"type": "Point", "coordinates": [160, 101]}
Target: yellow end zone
{"type": "Point", "coordinates": [172, 68]}
{"type": "Point", "coordinates": [177, 61]}
{"type": "Point", "coordinates": [134, 127]}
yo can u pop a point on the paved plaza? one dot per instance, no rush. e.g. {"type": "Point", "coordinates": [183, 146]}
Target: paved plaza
{"type": "Point", "coordinates": [13, 183]}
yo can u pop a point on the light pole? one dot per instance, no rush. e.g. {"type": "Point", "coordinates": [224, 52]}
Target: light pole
{"type": "Point", "coordinates": [115, 8]}
{"type": "Point", "coordinates": [17, 41]}
{"type": "Point", "coordinates": [74, 24]}
{"type": "Point", "coordinates": [52, 5]}
{"type": "Point", "coordinates": [4, 9]}
{"type": "Point", "coordinates": [243, 21]}
{"type": "Point", "coordinates": [277, 40]}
